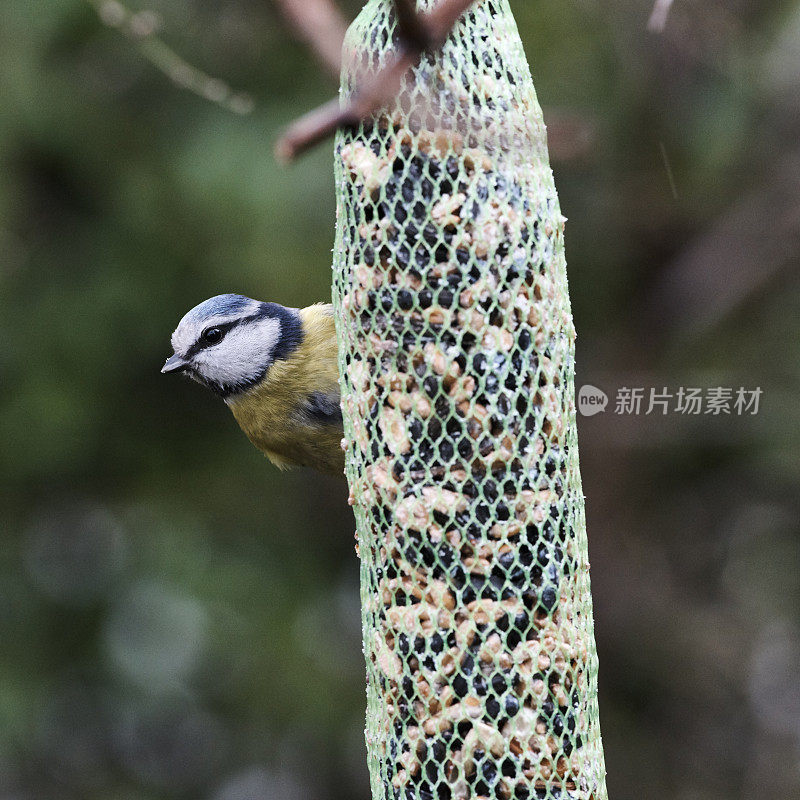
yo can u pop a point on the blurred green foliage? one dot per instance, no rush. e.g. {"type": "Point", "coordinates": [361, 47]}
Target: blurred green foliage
{"type": "Point", "coordinates": [180, 620]}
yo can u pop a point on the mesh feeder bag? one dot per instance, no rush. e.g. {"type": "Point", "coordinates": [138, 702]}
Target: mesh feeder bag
{"type": "Point", "coordinates": [456, 344]}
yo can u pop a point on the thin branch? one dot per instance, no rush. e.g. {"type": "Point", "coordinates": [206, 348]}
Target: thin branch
{"type": "Point", "coordinates": [321, 123]}
{"type": "Point", "coordinates": [714, 278]}
{"type": "Point", "coordinates": [440, 20]}
{"type": "Point", "coordinates": [571, 135]}
{"type": "Point", "coordinates": [658, 19]}
{"type": "Point", "coordinates": [412, 30]}
{"type": "Point", "coordinates": [670, 174]}
{"type": "Point", "coordinates": [321, 25]}
{"type": "Point", "coordinates": [318, 125]}
{"type": "Point", "coordinates": [143, 27]}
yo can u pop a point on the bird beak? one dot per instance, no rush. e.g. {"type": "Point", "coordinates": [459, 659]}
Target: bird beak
{"type": "Point", "coordinates": [175, 364]}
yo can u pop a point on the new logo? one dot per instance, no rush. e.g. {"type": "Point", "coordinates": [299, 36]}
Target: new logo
{"type": "Point", "coordinates": [591, 400]}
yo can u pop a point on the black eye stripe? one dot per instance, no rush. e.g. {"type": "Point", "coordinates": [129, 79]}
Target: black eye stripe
{"type": "Point", "coordinates": [224, 327]}
{"type": "Point", "coordinates": [290, 336]}
{"type": "Point", "coordinates": [202, 344]}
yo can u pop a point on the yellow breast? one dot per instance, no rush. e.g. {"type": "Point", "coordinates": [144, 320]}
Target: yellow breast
{"type": "Point", "coordinates": [271, 413]}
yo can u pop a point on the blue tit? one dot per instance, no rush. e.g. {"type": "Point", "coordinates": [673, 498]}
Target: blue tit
{"type": "Point", "coordinates": [277, 370]}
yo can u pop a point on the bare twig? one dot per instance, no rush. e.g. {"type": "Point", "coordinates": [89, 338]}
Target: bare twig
{"type": "Point", "coordinates": [143, 26]}
{"type": "Point", "coordinates": [750, 247]}
{"type": "Point", "coordinates": [658, 19]}
{"type": "Point", "coordinates": [440, 20]}
{"type": "Point", "coordinates": [432, 29]}
{"type": "Point", "coordinates": [323, 122]}
{"type": "Point", "coordinates": [410, 25]}
{"type": "Point", "coordinates": [319, 24]}
{"type": "Point", "coordinates": [571, 135]}
{"type": "Point", "coordinates": [670, 174]}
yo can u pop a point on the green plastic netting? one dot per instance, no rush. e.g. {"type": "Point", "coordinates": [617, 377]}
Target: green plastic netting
{"type": "Point", "coordinates": [457, 346]}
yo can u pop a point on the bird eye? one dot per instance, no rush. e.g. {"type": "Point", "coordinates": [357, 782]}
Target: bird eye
{"type": "Point", "coordinates": [212, 335]}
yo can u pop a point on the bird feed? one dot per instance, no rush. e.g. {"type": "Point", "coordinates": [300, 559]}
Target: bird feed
{"type": "Point", "coordinates": [456, 347]}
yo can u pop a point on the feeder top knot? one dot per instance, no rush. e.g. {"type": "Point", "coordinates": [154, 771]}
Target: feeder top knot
{"type": "Point", "coordinates": [473, 91]}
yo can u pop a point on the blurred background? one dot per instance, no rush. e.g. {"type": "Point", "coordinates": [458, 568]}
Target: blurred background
{"type": "Point", "coordinates": [180, 620]}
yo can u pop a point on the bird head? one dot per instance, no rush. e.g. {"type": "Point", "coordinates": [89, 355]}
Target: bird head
{"type": "Point", "coordinates": [229, 342]}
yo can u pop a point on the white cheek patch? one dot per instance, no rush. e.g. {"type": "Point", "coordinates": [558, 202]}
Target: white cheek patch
{"type": "Point", "coordinates": [243, 355]}
{"type": "Point", "coordinates": [183, 338]}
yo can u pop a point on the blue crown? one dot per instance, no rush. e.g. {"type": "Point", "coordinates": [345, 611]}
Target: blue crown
{"type": "Point", "coordinates": [228, 305]}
